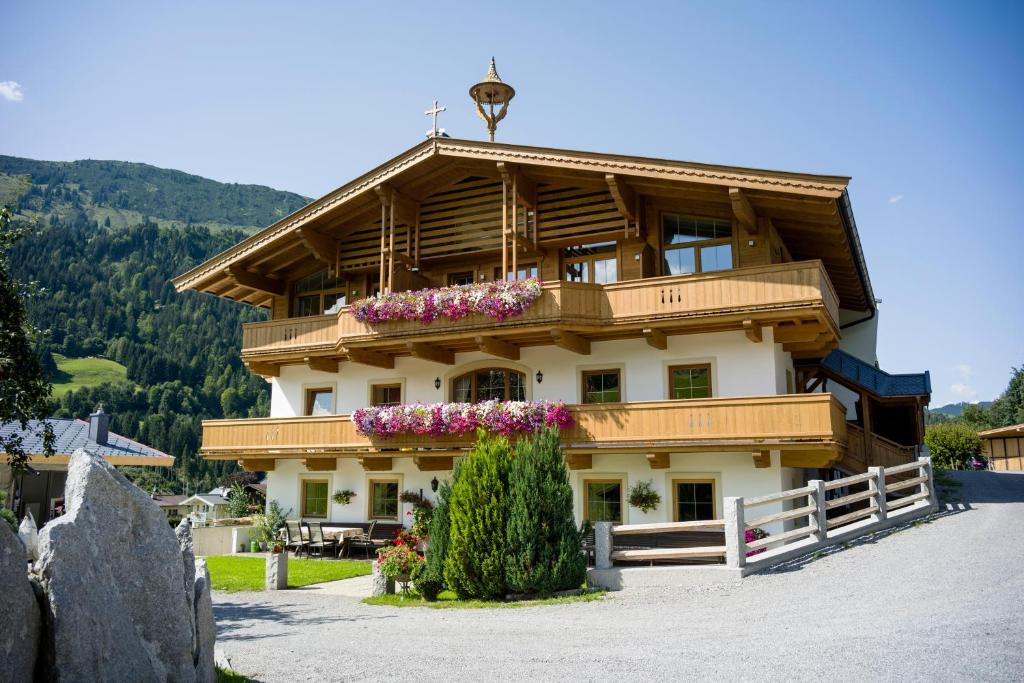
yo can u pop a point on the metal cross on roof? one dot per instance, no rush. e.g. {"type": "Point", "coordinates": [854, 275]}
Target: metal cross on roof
{"type": "Point", "coordinates": [434, 111]}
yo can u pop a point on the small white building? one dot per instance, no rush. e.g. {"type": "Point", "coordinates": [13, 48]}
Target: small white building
{"type": "Point", "coordinates": [205, 508]}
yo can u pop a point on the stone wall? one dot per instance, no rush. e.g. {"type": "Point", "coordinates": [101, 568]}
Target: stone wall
{"type": "Point", "coordinates": [118, 594]}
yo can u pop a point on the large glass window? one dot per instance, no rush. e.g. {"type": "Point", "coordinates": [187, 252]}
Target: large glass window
{"type": "Point", "coordinates": [689, 381]}
{"type": "Point", "coordinates": [694, 500]}
{"type": "Point", "coordinates": [319, 294]}
{"type": "Point", "coordinates": [695, 245]}
{"type": "Point", "coordinates": [503, 384]}
{"type": "Point", "coordinates": [464, 277]}
{"type": "Point", "coordinates": [319, 401]}
{"type": "Point", "coordinates": [602, 500]}
{"type": "Point", "coordinates": [595, 263]}
{"type": "Point", "coordinates": [383, 499]}
{"type": "Point", "coordinates": [602, 386]}
{"type": "Point", "coordinates": [314, 497]}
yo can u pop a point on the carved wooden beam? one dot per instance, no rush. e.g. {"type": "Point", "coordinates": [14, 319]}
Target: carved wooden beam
{"type": "Point", "coordinates": [655, 338]}
{"type": "Point", "coordinates": [659, 461]}
{"type": "Point", "coordinates": [406, 210]}
{"type": "Point", "coordinates": [262, 283]}
{"type": "Point", "coordinates": [579, 461]}
{"type": "Point", "coordinates": [365, 357]}
{"type": "Point", "coordinates": [264, 369]}
{"type": "Point", "coordinates": [762, 459]}
{"type": "Point", "coordinates": [624, 196]}
{"type": "Point", "coordinates": [324, 248]}
{"type": "Point", "coordinates": [320, 363]}
{"type": "Point", "coordinates": [526, 188]}
{"type": "Point", "coordinates": [753, 331]}
{"type": "Point", "coordinates": [321, 464]}
{"type": "Point", "coordinates": [809, 459]}
{"type": "Point", "coordinates": [797, 333]}
{"type": "Point", "coordinates": [431, 353]}
{"type": "Point", "coordinates": [571, 341]}
{"type": "Point", "coordinates": [498, 348]}
{"type": "Point", "coordinates": [742, 209]}
{"type": "Point", "coordinates": [375, 464]}
{"type": "Point", "coordinates": [258, 464]}
{"type": "Point", "coordinates": [434, 463]}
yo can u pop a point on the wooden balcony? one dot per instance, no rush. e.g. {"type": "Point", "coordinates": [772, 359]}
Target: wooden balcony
{"type": "Point", "coordinates": [809, 430]}
{"type": "Point", "coordinates": [797, 299]}
{"type": "Point", "coordinates": [882, 451]}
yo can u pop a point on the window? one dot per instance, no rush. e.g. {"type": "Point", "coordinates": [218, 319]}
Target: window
{"type": "Point", "coordinates": [602, 500]}
{"type": "Point", "coordinates": [460, 278]}
{"type": "Point", "coordinates": [695, 245]}
{"type": "Point", "coordinates": [602, 386]}
{"type": "Point", "coordinates": [523, 272]}
{"type": "Point", "coordinates": [319, 401]}
{"type": "Point", "coordinates": [503, 384]}
{"type": "Point", "coordinates": [689, 381]}
{"type": "Point", "coordinates": [383, 499]}
{"type": "Point", "coordinates": [314, 498]}
{"type": "Point", "coordinates": [591, 263]}
{"type": "Point", "coordinates": [693, 500]}
{"type": "Point", "coordinates": [319, 294]}
{"type": "Point", "coordinates": [386, 394]}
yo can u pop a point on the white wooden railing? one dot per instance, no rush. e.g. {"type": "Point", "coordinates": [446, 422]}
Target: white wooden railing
{"type": "Point", "coordinates": [893, 495]}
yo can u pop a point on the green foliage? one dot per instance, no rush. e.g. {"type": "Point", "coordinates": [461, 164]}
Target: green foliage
{"type": "Point", "coordinates": [543, 542]}
{"type": "Point", "coordinates": [1008, 409]}
{"type": "Point", "coordinates": [426, 583]}
{"type": "Point", "coordinates": [343, 497]}
{"type": "Point", "coordinates": [7, 514]}
{"type": "Point", "coordinates": [440, 529]}
{"type": "Point", "coordinates": [150, 479]}
{"type": "Point", "coordinates": [449, 600]}
{"type": "Point", "coordinates": [474, 564]}
{"type": "Point", "coordinates": [24, 387]}
{"type": "Point", "coordinates": [267, 525]}
{"type": "Point", "coordinates": [247, 573]}
{"type": "Point", "coordinates": [238, 501]}
{"type": "Point", "coordinates": [952, 444]}
{"type": "Point", "coordinates": [643, 496]}
{"type": "Point", "coordinates": [398, 561]}
{"type": "Point", "coordinates": [75, 373]}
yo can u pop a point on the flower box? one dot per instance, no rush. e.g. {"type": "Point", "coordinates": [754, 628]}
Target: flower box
{"type": "Point", "coordinates": [436, 419]}
{"type": "Point", "coordinates": [501, 300]}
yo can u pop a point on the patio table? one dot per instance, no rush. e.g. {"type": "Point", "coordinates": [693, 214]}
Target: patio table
{"type": "Point", "coordinates": [341, 533]}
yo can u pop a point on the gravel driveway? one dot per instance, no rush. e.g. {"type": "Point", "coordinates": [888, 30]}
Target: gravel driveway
{"type": "Point", "coordinates": [939, 601]}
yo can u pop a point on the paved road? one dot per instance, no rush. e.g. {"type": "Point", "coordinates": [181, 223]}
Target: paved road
{"type": "Point", "coordinates": [940, 601]}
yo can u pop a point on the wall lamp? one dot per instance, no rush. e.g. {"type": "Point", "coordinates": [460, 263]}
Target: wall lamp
{"type": "Point", "coordinates": [434, 484]}
{"type": "Point", "coordinates": [540, 377]}
{"type": "Point", "coordinates": [437, 383]}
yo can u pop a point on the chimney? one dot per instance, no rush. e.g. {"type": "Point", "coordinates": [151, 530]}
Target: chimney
{"type": "Point", "coordinates": [99, 426]}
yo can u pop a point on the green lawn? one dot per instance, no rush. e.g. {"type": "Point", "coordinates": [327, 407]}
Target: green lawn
{"type": "Point", "coordinates": [241, 573]}
{"type": "Point", "coordinates": [448, 600]}
{"type": "Point", "coordinates": [86, 372]}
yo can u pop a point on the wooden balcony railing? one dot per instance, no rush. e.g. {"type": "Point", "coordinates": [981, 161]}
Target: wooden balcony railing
{"type": "Point", "coordinates": [792, 288]}
{"type": "Point", "coordinates": [884, 452]}
{"type": "Point", "coordinates": [813, 423]}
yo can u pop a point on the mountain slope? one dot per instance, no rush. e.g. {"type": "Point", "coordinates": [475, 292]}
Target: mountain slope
{"type": "Point", "coordinates": [125, 193]}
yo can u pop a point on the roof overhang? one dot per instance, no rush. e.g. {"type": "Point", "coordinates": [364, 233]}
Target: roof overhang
{"type": "Point", "coordinates": [1010, 431]}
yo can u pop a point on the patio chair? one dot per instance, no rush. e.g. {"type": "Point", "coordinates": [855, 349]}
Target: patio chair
{"type": "Point", "coordinates": [588, 542]}
{"type": "Point", "coordinates": [364, 541]}
{"type": "Point", "coordinates": [295, 540]}
{"type": "Point", "coordinates": [317, 542]}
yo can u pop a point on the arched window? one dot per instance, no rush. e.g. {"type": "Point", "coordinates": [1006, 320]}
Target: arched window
{"type": "Point", "coordinates": [485, 384]}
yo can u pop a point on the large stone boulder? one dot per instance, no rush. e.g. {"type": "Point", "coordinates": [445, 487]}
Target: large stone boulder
{"type": "Point", "coordinates": [206, 626]}
{"type": "Point", "coordinates": [19, 611]}
{"type": "Point", "coordinates": [28, 532]}
{"type": "Point", "coordinates": [114, 581]}
{"type": "Point", "coordinates": [188, 564]}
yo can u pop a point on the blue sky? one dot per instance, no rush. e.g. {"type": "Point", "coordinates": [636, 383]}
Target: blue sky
{"type": "Point", "coordinates": [921, 103]}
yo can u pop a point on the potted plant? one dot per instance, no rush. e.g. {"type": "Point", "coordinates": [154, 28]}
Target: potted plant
{"type": "Point", "coordinates": [398, 561]}
{"type": "Point", "coordinates": [343, 497]}
{"type": "Point", "coordinates": [643, 496]}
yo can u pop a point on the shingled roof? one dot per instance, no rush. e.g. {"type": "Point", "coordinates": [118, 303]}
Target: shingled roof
{"type": "Point", "coordinates": [71, 434]}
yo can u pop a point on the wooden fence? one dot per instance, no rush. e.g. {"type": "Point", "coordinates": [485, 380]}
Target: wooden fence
{"type": "Point", "coordinates": [812, 516]}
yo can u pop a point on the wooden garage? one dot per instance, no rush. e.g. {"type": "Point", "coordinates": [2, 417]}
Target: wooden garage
{"type": "Point", "coordinates": [1004, 447]}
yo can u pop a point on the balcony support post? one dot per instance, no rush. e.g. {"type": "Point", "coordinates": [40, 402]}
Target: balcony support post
{"type": "Point", "coordinates": [753, 331]}
{"type": "Point", "coordinates": [655, 338]}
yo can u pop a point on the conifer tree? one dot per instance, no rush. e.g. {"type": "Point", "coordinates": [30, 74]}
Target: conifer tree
{"type": "Point", "coordinates": [474, 564]}
{"type": "Point", "coordinates": [543, 542]}
{"type": "Point", "coordinates": [440, 527]}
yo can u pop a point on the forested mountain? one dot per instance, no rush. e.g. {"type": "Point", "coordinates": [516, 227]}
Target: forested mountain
{"type": "Point", "coordinates": [109, 237]}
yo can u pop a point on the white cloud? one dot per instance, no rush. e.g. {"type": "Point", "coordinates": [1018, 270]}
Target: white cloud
{"type": "Point", "coordinates": [895, 198]}
{"type": "Point", "coordinates": [11, 91]}
{"type": "Point", "coordinates": [962, 388]}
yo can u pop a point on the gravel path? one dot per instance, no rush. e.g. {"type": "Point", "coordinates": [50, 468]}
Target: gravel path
{"type": "Point", "coordinates": [940, 601]}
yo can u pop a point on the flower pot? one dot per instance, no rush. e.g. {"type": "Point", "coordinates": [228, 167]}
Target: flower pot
{"type": "Point", "coordinates": [254, 546]}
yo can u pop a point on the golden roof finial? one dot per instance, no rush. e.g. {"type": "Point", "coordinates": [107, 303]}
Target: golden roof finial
{"type": "Point", "coordinates": [492, 91]}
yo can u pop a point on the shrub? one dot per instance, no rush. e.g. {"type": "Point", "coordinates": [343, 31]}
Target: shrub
{"type": "Point", "coordinates": [643, 496]}
{"type": "Point", "coordinates": [543, 541]}
{"type": "Point", "coordinates": [474, 564]}
{"type": "Point", "coordinates": [398, 560]}
{"type": "Point", "coordinates": [427, 584]}
{"type": "Point", "coordinates": [952, 444]}
{"type": "Point", "coordinates": [267, 525]}
{"type": "Point", "coordinates": [439, 530]}
{"type": "Point", "coordinates": [238, 501]}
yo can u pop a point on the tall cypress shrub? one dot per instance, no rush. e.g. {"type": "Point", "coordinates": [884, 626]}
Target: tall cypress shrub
{"type": "Point", "coordinates": [474, 563]}
{"type": "Point", "coordinates": [440, 526]}
{"type": "Point", "coordinates": [543, 541]}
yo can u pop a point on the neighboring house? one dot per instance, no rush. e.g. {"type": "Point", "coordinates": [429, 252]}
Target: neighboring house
{"type": "Point", "coordinates": [1004, 447]}
{"type": "Point", "coordinates": [713, 329]}
{"type": "Point", "coordinates": [41, 489]}
{"type": "Point", "coordinates": [205, 508]}
{"type": "Point", "coordinates": [173, 506]}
